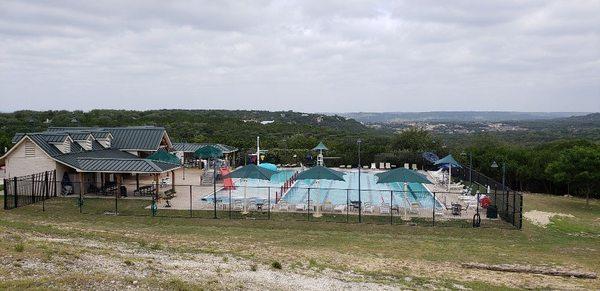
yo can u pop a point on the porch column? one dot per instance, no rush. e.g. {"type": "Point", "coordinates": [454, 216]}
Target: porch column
{"type": "Point", "coordinates": [119, 179]}
{"type": "Point", "coordinates": [81, 184]}
{"type": "Point", "coordinates": [173, 180]}
{"type": "Point", "coordinates": [156, 185]}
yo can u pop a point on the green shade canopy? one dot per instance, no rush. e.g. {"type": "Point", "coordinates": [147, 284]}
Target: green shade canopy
{"type": "Point", "coordinates": [320, 147]}
{"type": "Point", "coordinates": [251, 171]}
{"type": "Point", "coordinates": [447, 160]}
{"type": "Point", "coordinates": [209, 152]}
{"type": "Point", "coordinates": [321, 173]}
{"type": "Point", "coordinates": [165, 157]}
{"type": "Point", "coordinates": [401, 175]}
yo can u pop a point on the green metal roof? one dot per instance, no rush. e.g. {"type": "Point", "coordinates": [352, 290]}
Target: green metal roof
{"type": "Point", "coordinates": [112, 160]}
{"type": "Point", "coordinates": [193, 147]}
{"type": "Point", "coordinates": [144, 138]}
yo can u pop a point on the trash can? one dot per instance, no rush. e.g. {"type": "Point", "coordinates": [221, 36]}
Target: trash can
{"type": "Point", "coordinates": [492, 212]}
{"type": "Point", "coordinates": [123, 191]}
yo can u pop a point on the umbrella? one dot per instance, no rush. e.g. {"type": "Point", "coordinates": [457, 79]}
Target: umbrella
{"type": "Point", "coordinates": [320, 173]}
{"type": "Point", "coordinates": [450, 162]}
{"type": "Point", "coordinates": [401, 175]}
{"type": "Point", "coordinates": [165, 157]}
{"type": "Point", "coordinates": [211, 152]}
{"type": "Point", "coordinates": [250, 171]}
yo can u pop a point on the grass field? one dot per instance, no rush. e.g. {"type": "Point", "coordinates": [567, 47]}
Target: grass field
{"type": "Point", "coordinates": [61, 248]}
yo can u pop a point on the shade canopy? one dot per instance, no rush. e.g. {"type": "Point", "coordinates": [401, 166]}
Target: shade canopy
{"type": "Point", "coordinates": [320, 147]}
{"type": "Point", "coordinates": [321, 173]}
{"type": "Point", "coordinates": [209, 152]}
{"type": "Point", "coordinates": [268, 166]}
{"type": "Point", "coordinates": [401, 175]}
{"type": "Point", "coordinates": [165, 157]}
{"type": "Point", "coordinates": [447, 160]}
{"type": "Point", "coordinates": [251, 171]}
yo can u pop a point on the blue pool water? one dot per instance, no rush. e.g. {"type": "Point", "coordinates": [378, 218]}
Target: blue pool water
{"type": "Point", "coordinates": [259, 190]}
{"type": "Point", "coordinates": [337, 192]}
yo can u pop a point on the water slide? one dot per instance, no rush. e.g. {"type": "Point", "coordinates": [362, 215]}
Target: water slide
{"type": "Point", "coordinates": [227, 182]}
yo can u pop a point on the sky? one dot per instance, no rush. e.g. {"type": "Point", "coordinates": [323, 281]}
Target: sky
{"type": "Point", "coordinates": [312, 56]}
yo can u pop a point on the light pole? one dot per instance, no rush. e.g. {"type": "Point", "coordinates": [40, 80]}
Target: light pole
{"type": "Point", "coordinates": [358, 142]}
{"type": "Point", "coordinates": [495, 165]}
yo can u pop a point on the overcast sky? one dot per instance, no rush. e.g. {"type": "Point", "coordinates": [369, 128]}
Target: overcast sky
{"type": "Point", "coordinates": [301, 55]}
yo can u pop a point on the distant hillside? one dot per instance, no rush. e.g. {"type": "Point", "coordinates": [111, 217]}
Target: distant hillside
{"type": "Point", "coordinates": [456, 116]}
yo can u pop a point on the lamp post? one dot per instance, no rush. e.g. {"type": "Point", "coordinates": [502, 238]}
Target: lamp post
{"type": "Point", "coordinates": [495, 166]}
{"type": "Point", "coordinates": [358, 142]}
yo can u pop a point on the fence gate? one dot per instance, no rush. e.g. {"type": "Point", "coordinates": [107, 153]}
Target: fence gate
{"type": "Point", "coordinates": [25, 190]}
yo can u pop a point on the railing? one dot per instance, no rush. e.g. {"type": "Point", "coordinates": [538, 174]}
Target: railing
{"type": "Point", "coordinates": [25, 190]}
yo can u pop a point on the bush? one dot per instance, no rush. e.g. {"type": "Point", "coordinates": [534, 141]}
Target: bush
{"type": "Point", "coordinates": [276, 265]}
{"type": "Point", "coordinates": [19, 247]}
{"type": "Point", "coordinates": [253, 268]}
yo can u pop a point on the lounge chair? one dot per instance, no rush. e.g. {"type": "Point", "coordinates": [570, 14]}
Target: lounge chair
{"type": "Point", "coordinates": [368, 208]}
{"type": "Point", "coordinates": [415, 207]}
{"type": "Point", "coordinates": [381, 165]}
{"type": "Point", "coordinates": [327, 206]}
{"type": "Point", "coordinates": [340, 208]}
{"type": "Point", "coordinates": [388, 165]}
{"type": "Point", "coordinates": [373, 166]}
{"type": "Point", "coordinates": [384, 209]}
{"type": "Point", "coordinates": [301, 207]}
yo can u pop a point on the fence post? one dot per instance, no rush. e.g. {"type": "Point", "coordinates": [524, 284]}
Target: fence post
{"type": "Point", "coordinates": [80, 202]}
{"type": "Point", "coordinates": [5, 193]}
{"type": "Point", "coordinates": [15, 192]}
{"type": "Point", "coordinates": [391, 206]}
{"type": "Point", "coordinates": [269, 203]}
{"type": "Point", "coordinates": [520, 211]}
{"type": "Point", "coordinates": [308, 204]}
{"type": "Point", "coordinates": [191, 215]}
{"type": "Point", "coordinates": [55, 183]}
{"type": "Point", "coordinates": [433, 210]}
{"type": "Point", "coordinates": [229, 203]}
{"type": "Point", "coordinates": [46, 190]}
{"type": "Point", "coordinates": [347, 205]}
{"type": "Point", "coordinates": [32, 188]}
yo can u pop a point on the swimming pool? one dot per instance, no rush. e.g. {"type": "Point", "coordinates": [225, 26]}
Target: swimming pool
{"type": "Point", "coordinates": [258, 190]}
{"type": "Point", "coordinates": [342, 192]}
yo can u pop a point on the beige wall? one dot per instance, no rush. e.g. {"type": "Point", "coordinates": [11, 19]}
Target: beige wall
{"type": "Point", "coordinates": [17, 164]}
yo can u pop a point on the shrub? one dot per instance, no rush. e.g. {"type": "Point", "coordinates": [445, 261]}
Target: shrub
{"type": "Point", "coordinates": [253, 268]}
{"type": "Point", "coordinates": [19, 247]}
{"type": "Point", "coordinates": [276, 265]}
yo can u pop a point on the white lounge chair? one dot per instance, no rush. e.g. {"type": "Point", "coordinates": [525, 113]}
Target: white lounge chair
{"type": "Point", "coordinates": [388, 165]}
{"type": "Point", "coordinates": [340, 208]}
{"type": "Point", "coordinates": [373, 166]}
{"type": "Point", "coordinates": [301, 207]}
{"type": "Point", "coordinates": [327, 206]}
{"type": "Point", "coordinates": [368, 208]}
{"type": "Point", "coordinates": [384, 209]}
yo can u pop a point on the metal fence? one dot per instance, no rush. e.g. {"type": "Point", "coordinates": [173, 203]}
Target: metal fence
{"type": "Point", "coordinates": [372, 204]}
{"type": "Point", "coordinates": [25, 190]}
{"type": "Point", "coordinates": [508, 202]}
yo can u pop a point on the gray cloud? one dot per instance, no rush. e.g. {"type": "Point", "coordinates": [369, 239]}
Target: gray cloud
{"type": "Point", "coordinates": [301, 55]}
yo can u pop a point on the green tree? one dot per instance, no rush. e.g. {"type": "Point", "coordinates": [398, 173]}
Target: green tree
{"type": "Point", "coordinates": [578, 165]}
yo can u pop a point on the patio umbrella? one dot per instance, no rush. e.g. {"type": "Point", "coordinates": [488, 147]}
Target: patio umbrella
{"type": "Point", "coordinates": [449, 162]}
{"type": "Point", "coordinates": [211, 152]}
{"type": "Point", "coordinates": [402, 175]}
{"type": "Point", "coordinates": [320, 173]}
{"type": "Point", "coordinates": [165, 157]}
{"type": "Point", "coordinates": [250, 171]}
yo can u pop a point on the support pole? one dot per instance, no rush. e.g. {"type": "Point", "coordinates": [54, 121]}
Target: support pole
{"type": "Point", "coordinates": [215, 188]}
{"type": "Point", "coordinates": [191, 215]}
{"type": "Point", "coordinates": [391, 207]}
{"type": "Point", "coordinates": [433, 210]}
{"type": "Point", "coordinates": [308, 204]}
{"type": "Point", "coordinates": [269, 204]}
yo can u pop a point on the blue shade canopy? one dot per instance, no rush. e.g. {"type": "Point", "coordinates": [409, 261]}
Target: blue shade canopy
{"type": "Point", "coordinates": [321, 173]}
{"type": "Point", "coordinates": [251, 171]}
{"type": "Point", "coordinates": [209, 152]}
{"type": "Point", "coordinates": [268, 166]}
{"type": "Point", "coordinates": [401, 175]}
{"type": "Point", "coordinates": [447, 160]}
{"type": "Point", "coordinates": [165, 157]}
{"type": "Point", "coordinates": [320, 147]}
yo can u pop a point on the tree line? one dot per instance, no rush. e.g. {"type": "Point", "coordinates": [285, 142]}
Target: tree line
{"type": "Point", "coordinates": [560, 166]}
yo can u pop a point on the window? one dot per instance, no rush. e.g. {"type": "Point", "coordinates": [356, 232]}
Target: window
{"type": "Point", "coordinates": [29, 150]}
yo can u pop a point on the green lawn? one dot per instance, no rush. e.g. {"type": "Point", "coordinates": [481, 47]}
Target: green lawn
{"type": "Point", "coordinates": [373, 252]}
